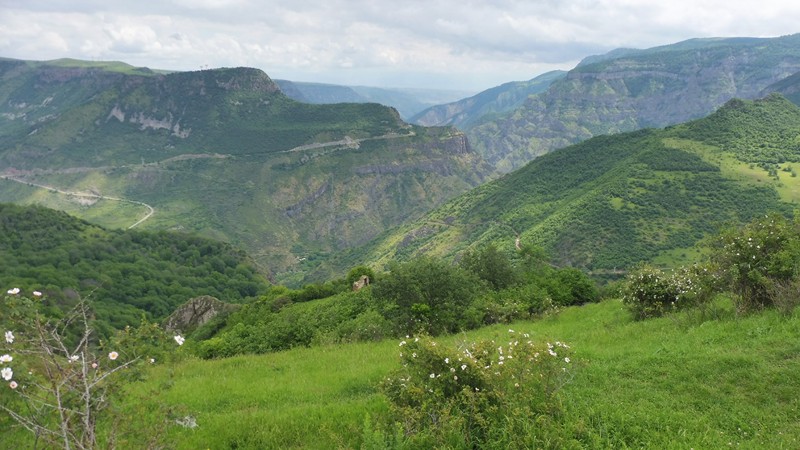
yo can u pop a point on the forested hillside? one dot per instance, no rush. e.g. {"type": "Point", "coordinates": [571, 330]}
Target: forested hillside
{"type": "Point", "coordinates": [125, 274]}
{"type": "Point", "coordinates": [612, 201]}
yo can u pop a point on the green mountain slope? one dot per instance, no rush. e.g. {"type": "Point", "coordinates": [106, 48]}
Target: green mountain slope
{"type": "Point", "coordinates": [125, 274]}
{"type": "Point", "coordinates": [611, 201]}
{"type": "Point", "coordinates": [487, 104]}
{"type": "Point", "coordinates": [630, 89]}
{"type": "Point", "coordinates": [223, 153]}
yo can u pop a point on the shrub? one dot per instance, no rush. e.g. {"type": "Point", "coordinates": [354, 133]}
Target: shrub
{"type": "Point", "coordinates": [491, 266]}
{"type": "Point", "coordinates": [485, 394]}
{"type": "Point", "coordinates": [785, 295]}
{"type": "Point", "coordinates": [370, 325]}
{"type": "Point", "coordinates": [61, 380]}
{"type": "Point", "coordinates": [429, 295]}
{"type": "Point", "coordinates": [572, 287]}
{"type": "Point", "coordinates": [758, 255]}
{"type": "Point", "coordinates": [650, 292]}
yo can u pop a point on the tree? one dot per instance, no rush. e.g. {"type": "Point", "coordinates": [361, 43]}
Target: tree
{"type": "Point", "coordinates": [491, 266]}
{"type": "Point", "coordinates": [60, 379]}
{"type": "Point", "coordinates": [427, 294]}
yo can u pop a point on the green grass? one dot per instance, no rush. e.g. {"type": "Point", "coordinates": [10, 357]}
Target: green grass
{"type": "Point", "coordinates": [691, 380]}
{"type": "Point", "coordinates": [303, 398]}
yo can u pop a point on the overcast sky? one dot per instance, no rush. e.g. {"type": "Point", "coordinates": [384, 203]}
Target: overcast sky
{"type": "Point", "coordinates": [459, 44]}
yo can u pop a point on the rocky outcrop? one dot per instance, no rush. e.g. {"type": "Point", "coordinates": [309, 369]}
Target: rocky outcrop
{"type": "Point", "coordinates": [633, 90]}
{"type": "Point", "coordinates": [196, 312]}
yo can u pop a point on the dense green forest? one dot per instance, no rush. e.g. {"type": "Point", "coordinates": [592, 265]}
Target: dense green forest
{"type": "Point", "coordinates": [125, 274]}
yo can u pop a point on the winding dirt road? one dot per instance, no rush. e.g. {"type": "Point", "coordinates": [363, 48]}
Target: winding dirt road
{"type": "Point", "coordinates": [150, 209]}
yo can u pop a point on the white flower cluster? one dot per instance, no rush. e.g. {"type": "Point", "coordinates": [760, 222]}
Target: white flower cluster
{"type": "Point", "coordinates": [483, 362]}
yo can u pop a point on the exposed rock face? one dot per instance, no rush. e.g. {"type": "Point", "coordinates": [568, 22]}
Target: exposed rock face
{"type": "Point", "coordinates": [506, 97]}
{"type": "Point", "coordinates": [195, 313]}
{"type": "Point", "coordinates": [631, 90]}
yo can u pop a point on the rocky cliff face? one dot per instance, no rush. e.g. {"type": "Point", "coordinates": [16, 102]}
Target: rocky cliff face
{"type": "Point", "coordinates": [196, 312]}
{"type": "Point", "coordinates": [789, 87]}
{"type": "Point", "coordinates": [636, 89]}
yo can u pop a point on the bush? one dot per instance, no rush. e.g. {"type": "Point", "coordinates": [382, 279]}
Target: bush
{"type": "Point", "coordinates": [573, 287]}
{"type": "Point", "coordinates": [649, 292]}
{"type": "Point", "coordinates": [484, 395]}
{"type": "Point", "coordinates": [428, 295]}
{"type": "Point", "coordinates": [757, 256]}
{"type": "Point", "coordinates": [785, 295]}
{"type": "Point", "coordinates": [491, 266]}
{"type": "Point", "coordinates": [61, 381]}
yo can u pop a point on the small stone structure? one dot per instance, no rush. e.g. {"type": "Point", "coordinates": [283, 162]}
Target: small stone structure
{"type": "Point", "coordinates": [361, 282]}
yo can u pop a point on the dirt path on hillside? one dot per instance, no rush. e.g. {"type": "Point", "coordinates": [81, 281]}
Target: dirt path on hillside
{"type": "Point", "coordinates": [346, 142]}
{"type": "Point", "coordinates": [15, 175]}
{"type": "Point", "coordinates": [150, 209]}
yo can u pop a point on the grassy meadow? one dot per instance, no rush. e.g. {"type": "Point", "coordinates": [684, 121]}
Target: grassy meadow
{"type": "Point", "coordinates": [694, 379]}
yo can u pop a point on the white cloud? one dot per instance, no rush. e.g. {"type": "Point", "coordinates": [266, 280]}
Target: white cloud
{"type": "Point", "coordinates": [447, 43]}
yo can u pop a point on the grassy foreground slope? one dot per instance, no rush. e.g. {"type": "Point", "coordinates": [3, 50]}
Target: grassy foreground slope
{"type": "Point", "coordinates": [674, 382]}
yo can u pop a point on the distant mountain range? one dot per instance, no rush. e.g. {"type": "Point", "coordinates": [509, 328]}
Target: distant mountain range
{"type": "Point", "coordinates": [305, 187]}
{"type": "Point", "coordinates": [487, 104]}
{"type": "Point", "coordinates": [223, 153]}
{"type": "Point", "coordinates": [623, 90]}
{"type": "Point", "coordinates": [408, 102]}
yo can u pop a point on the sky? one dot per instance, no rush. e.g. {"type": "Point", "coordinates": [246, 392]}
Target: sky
{"type": "Point", "coordinates": [462, 45]}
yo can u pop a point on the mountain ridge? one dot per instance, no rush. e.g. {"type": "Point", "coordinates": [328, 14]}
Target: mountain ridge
{"type": "Point", "coordinates": [633, 89]}
{"type": "Point", "coordinates": [611, 201]}
{"type": "Point", "coordinates": [223, 153]}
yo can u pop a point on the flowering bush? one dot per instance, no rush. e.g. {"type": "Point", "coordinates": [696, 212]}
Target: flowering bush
{"type": "Point", "coordinates": [650, 292]}
{"type": "Point", "coordinates": [485, 394]}
{"type": "Point", "coordinates": [757, 256]}
{"type": "Point", "coordinates": [59, 378]}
